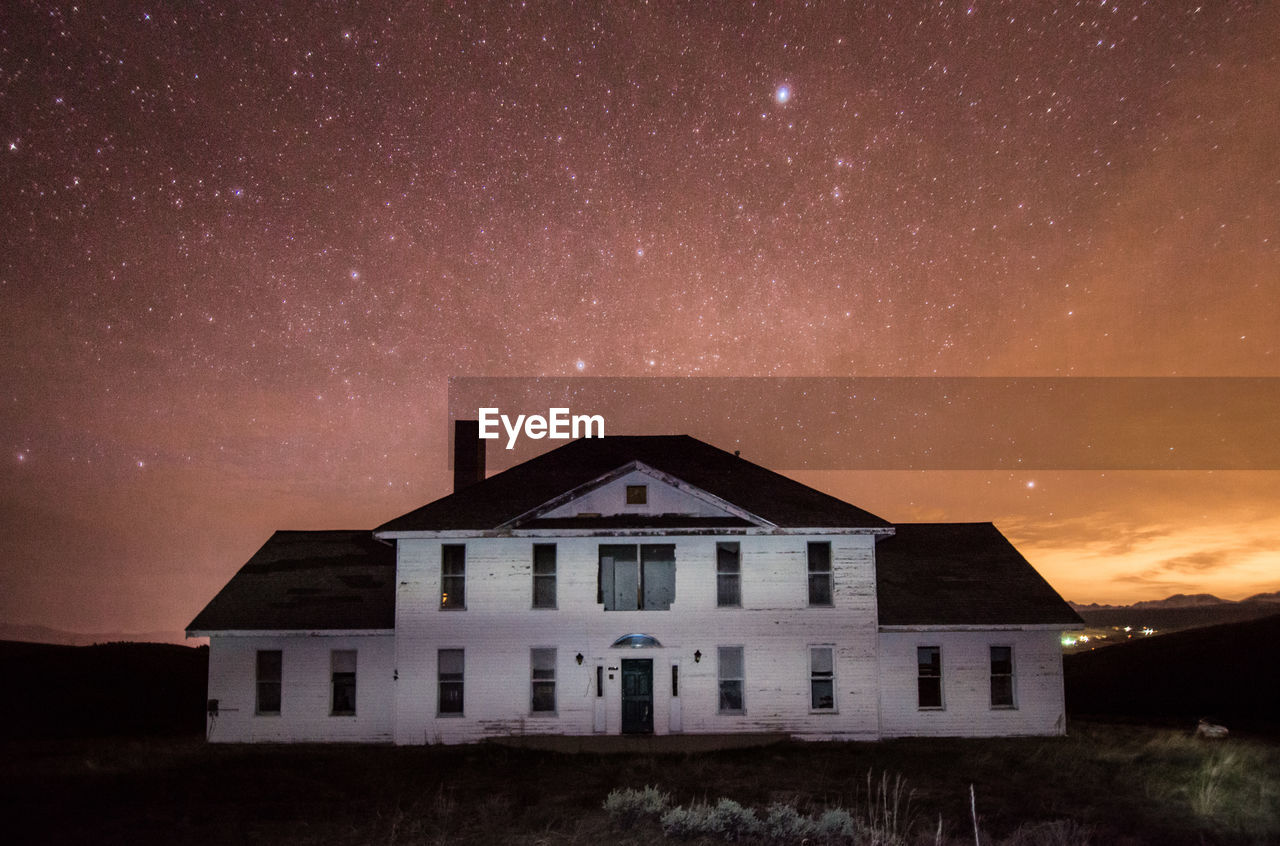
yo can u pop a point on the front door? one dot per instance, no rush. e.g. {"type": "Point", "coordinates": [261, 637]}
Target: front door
{"type": "Point", "coordinates": [637, 696]}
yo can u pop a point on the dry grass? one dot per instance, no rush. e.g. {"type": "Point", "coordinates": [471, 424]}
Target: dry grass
{"type": "Point", "coordinates": [1106, 784]}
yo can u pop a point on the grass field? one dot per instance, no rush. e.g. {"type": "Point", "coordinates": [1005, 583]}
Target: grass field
{"type": "Point", "coordinates": [1116, 784]}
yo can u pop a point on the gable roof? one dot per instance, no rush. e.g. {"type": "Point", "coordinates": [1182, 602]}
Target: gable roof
{"type": "Point", "coordinates": [961, 574]}
{"type": "Point", "coordinates": [500, 498]}
{"type": "Point", "coordinates": [304, 581]}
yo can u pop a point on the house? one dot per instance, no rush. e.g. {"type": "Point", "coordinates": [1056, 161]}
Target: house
{"type": "Point", "coordinates": [633, 585]}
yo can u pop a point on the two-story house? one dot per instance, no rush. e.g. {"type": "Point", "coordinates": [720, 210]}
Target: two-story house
{"type": "Point", "coordinates": [634, 585]}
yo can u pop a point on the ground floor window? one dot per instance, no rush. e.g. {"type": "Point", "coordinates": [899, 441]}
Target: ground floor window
{"type": "Point", "coordinates": [269, 674]}
{"type": "Point", "coordinates": [929, 676]}
{"type": "Point", "coordinates": [1002, 677]}
{"type": "Point", "coordinates": [449, 675]}
{"type": "Point", "coordinates": [342, 664]}
{"type": "Point", "coordinates": [822, 678]}
{"type": "Point", "coordinates": [732, 677]}
{"type": "Point", "coordinates": [543, 662]}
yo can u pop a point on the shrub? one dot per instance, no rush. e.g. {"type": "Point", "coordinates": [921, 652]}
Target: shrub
{"type": "Point", "coordinates": [627, 806]}
{"type": "Point", "coordinates": [835, 826]}
{"type": "Point", "coordinates": [733, 822]}
{"type": "Point", "coordinates": [684, 823]}
{"type": "Point", "coordinates": [783, 824]}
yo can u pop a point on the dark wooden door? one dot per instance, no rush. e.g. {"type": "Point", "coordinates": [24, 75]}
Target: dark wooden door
{"type": "Point", "coordinates": [637, 696]}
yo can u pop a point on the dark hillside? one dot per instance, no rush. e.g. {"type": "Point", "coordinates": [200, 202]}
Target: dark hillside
{"type": "Point", "coordinates": [102, 690]}
{"type": "Point", "coordinates": [1228, 672]}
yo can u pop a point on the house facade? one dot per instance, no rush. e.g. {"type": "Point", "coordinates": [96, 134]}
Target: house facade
{"type": "Point", "coordinates": [634, 585]}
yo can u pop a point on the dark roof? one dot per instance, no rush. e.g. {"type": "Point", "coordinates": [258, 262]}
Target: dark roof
{"type": "Point", "coordinates": [488, 504]}
{"type": "Point", "coordinates": [961, 574]}
{"type": "Point", "coordinates": [637, 521]}
{"type": "Point", "coordinates": [308, 580]}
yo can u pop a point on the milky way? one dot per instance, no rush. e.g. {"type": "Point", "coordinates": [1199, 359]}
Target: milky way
{"type": "Point", "coordinates": [243, 249]}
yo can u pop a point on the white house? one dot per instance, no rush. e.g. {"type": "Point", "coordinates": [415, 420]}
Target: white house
{"type": "Point", "coordinates": [634, 585]}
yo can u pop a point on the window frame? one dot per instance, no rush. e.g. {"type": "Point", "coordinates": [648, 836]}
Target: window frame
{"type": "Point", "coordinates": [535, 680]}
{"type": "Point", "coordinates": [460, 682]}
{"type": "Point", "coordinates": [741, 680]}
{"type": "Point", "coordinates": [921, 677]}
{"type": "Point", "coordinates": [334, 711]}
{"type": "Point", "coordinates": [545, 577]}
{"type": "Point", "coordinates": [641, 580]}
{"type": "Point", "coordinates": [447, 604]}
{"type": "Point", "coordinates": [636, 495]}
{"type": "Point", "coordinates": [259, 681]}
{"type": "Point", "coordinates": [816, 678]}
{"type": "Point", "coordinates": [828, 574]}
{"type": "Point", "coordinates": [734, 577]}
{"type": "Point", "coordinates": [1011, 675]}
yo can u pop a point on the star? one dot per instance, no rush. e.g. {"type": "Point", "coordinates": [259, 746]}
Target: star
{"type": "Point", "coordinates": [782, 94]}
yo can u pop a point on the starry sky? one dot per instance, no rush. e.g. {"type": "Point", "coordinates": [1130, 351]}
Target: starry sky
{"type": "Point", "coordinates": [245, 246]}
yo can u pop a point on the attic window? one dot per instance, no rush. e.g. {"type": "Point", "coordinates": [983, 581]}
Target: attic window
{"type": "Point", "coordinates": [637, 494]}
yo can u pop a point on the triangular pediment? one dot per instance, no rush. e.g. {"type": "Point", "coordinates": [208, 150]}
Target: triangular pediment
{"type": "Point", "coordinates": [636, 491]}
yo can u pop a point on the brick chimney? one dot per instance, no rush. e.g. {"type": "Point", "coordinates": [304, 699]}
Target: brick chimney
{"type": "Point", "coordinates": [468, 454]}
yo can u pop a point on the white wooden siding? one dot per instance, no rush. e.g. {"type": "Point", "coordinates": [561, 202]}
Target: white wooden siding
{"type": "Point", "coordinates": [966, 684]}
{"type": "Point", "coordinates": [662, 498]}
{"type": "Point", "coordinates": [499, 625]}
{"type": "Point", "coordinates": [305, 689]}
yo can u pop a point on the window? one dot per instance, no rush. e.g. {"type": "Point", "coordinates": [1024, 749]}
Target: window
{"type": "Point", "coordinates": [453, 576]}
{"type": "Point", "coordinates": [728, 575]}
{"type": "Point", "coordinates": [449, 676]}
{"type": "Point", "coordinates": [675, 681]}
{"type": "Point", "coordinates": [637, 494]}
{"type": "Point", "coordinates": [544, 575]}
{"type": "Point", "coordinates": [342, 663]}
{"type": "Point", "coordinates": [1002, 677]}
{"type": "Point", "coordinates": [929, 676]}
{"type": "Point", "coordinates": [819, 573]}
{"type": "Point", "coordinates": [822, 679]}
{"type": "Point", "coordinates": [543, 662]}
{"type": "Point", "coordinates": [599, 681]}
{"type": "Point", "coordinates": [635, 578]}
{"type": "Point", "coordinates": [270, 665]}
{"type": "Point", "coordinates": [731, 680]}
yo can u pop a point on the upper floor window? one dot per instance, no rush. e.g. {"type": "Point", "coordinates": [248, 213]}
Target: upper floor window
{"type": "Point", "coordinates": [822, 678]}
{"type": "Point", "coordinates": [343, 668]}
{"type": "Point", "coordinates": [929, 676]}
{"type": "Point", "coordinates": [637, 494]}
{"type": "Point", "coordinates": [453, 576]}
{"type": "Point", "coordinates": [728, 575]}
{"type": "Point", "coordinates": [637, 578]}
{"type": "Point", "coordinates": [449, 677]}
{"type": "Point", "coordinates": [820, 573]}
{"type": "Point", "coordinates": [269, 674]}
{"type": "Point", "coordinates": [1002, 677]}
{"type": "Point", "coordinates": [544, 575]}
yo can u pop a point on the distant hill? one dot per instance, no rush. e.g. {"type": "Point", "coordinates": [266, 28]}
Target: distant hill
{"type": "Point", "coordinates": [1178, 612]}
{"type": "Point", "coordinates": [45, 634]}
{"type": "Point", "coordinates": [110, 689]}
{"type": "Point", "coordinates": [1228, 672]}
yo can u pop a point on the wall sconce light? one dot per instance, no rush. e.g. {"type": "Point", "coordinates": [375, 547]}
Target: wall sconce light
{"type": "Point", "coordinates": [697, 656]}
{"type": "Point", "coordinates": [578, 658]}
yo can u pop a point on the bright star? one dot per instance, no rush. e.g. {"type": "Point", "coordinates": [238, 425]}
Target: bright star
{"type": "Point", "coordinates": [580, 364]}
{"type": "Point", "coordinates": [782, 94]}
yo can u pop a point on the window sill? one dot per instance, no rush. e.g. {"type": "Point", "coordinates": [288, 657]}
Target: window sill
{"type": "Point", "coordinates": [266, 713]}
{"type": "Point", "coordinates": [342, 713]}
{"type": "Point", "coordinates": [543, 715]}
{"type": "Point", "coordinates": [452, 715]}
{"type": "Point", "coordinates": [931, 707]}
{"type": "Point", "coordinates": [453, 608]}
{"type": "Point", "coordinates": [1004, 707]}
{"type": "Point", "coordinates": [731, 713]}
{"type": "Point", "coordinates": [820, 711]}
{"type": "Point", "coordinates": [543, 608]}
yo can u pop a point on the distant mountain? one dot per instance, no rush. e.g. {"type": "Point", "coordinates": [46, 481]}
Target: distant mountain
{"type": "Point", "coordinates": [1177, 612]}
{"type": "Point", "coordinates": [1217, 671]}
{"type": "Point", "coordinates": [44, 634]}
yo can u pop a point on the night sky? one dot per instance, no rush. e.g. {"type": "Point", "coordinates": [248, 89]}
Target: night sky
{"type": "Point", "coordinates": [244, 248]}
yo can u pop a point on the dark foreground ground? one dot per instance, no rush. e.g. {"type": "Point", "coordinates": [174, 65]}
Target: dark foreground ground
{"type": "Point", "coordinates": [1114, 784]}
